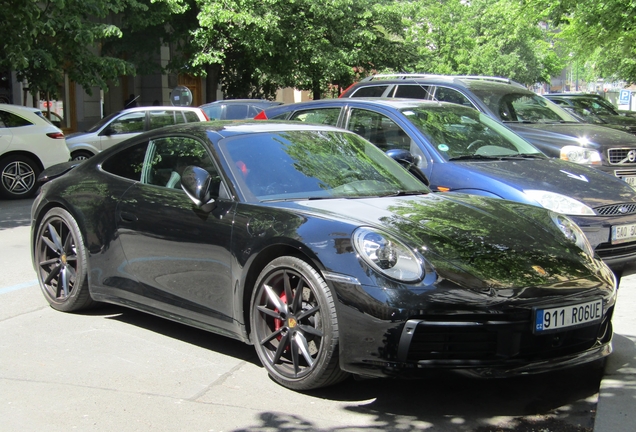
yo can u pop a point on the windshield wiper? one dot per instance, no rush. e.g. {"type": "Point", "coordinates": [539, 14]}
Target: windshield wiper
{"type": "Point", "coordinates": [524, 156]}
{"type": "Point", "coordinates": [474, 157]}
{"type": "Point", "coordinates": [404, 193]}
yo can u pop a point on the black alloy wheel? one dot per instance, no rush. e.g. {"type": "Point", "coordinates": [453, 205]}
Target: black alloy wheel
{"type": "Point", "coordinates": [60, 261]}
{"type": "Point", "coordinates": [294, 325]}
{"type": "Point", "coordinates": [18, 177]}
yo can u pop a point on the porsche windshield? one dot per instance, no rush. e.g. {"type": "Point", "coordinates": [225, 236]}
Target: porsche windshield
{"type": "Point", "coordinates": [459, 132]}
{"type": "Point", "coordinates": [309, 164]}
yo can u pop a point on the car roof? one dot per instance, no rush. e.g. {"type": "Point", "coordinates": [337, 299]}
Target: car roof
{"type": "Point", "coordinates": [241, 101]}
{"type": "Point", "coordinates": [465, 80]}
{"type": "Point", "coordinates": [397, 103]}
{"type": "Point", "coordinates": [227, 128]}
{"type": "Point", "coordinates": [19, 108]}
{"type": "Point", "coordinates": [577, 95]}
{"type": "Point", "coordinates": [158, 108]}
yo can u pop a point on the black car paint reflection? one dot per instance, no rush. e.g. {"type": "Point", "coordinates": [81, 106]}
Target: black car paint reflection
{"type": "Point", "coordinates": [270, 259]}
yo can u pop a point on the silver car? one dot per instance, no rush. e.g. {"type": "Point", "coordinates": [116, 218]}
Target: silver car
{"type": "Point", "coordinates": [128, 123]}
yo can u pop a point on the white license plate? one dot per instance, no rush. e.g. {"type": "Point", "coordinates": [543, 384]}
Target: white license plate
{"type": "Point", "coordinates": [623, 233]}
{"type": "Point", "coordinates": [567, 316]}
{"type": "Point", "coordinates": [630, 180]}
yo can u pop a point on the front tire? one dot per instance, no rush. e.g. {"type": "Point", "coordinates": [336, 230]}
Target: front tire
{"type": "Point", "coordinates": [294, 325]}
{"type": "Point", "coordinates": [61, 262]}
{"type": "Point", "coordinates": [18, 177]}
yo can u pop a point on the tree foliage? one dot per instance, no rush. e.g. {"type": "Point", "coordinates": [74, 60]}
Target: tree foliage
{"type": "Point", "coordinates": [43, 40]}
{"type": "Point", "coordinates": [600, 33]}
{"type": "Point", "coordinates": [481, 37]}
{"type": "Point", "coordinates": [308, 44]}
{"type": "Point", "coordinates": [255, 47]}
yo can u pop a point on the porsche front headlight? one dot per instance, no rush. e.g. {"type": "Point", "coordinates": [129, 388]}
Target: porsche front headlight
{"type": "Point", "coordinates": [387, 255]}
{"type": "Point", "coordinates": [572, 232]}
{"type": "Point", "coordinates": [580, 155]}
{"type": "Point", "coordinates": [559, 203]}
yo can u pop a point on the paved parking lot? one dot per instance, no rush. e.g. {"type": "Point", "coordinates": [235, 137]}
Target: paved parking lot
{"type": "Point", "coordinates": [117, 369]}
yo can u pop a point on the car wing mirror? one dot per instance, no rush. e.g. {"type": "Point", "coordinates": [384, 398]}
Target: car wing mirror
{"type": "Point", "coordinates": [403, 157]}
{"type": "Point", "coordinates": [197, 184]}
{"type": "Point", "coordinates": [408, 161]}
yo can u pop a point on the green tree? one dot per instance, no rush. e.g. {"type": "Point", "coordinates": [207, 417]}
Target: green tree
{"type": "Point", "coordinates": [481, 37]}
{"type": "Point", "coordinates": [43, 40]}
{"type": "Point", "coordinates": [255, 47]}
{"type": "Point", "coordinates": [600, 33]}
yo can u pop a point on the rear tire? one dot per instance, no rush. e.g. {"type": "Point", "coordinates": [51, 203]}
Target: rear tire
{"type": "Point", "coordinates": [294, 325]}
{"type": "Point", "coordinates": [18, 177]}
{"type": "Point", "coordinates": [81, 155]}
{"type": "Point", "coordinates": [61, 262]}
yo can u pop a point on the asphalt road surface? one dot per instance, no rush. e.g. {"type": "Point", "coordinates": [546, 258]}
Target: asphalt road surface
{"type": "Point", "coordinates": [117, 369]}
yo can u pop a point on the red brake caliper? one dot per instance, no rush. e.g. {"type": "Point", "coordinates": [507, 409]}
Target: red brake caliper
{"type": "Point", "coordinates": [277, 322]}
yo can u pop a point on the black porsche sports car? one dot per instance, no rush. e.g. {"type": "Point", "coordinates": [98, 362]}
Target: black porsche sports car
{"type": "Point", "coordinates": [324, 253]}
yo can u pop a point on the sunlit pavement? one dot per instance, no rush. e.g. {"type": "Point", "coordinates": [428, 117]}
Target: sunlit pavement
{"type": "Point", "coordinates": [616, 410]}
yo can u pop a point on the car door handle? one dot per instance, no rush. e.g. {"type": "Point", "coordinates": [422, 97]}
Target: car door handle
{"type": "Point", "coordinates": [127, 217]}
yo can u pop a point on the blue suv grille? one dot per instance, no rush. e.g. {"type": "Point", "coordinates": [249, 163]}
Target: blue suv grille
{"type": "Point", "coordinates": [616, 209]}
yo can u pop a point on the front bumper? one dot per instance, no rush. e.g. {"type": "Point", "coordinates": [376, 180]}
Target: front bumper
{"type": "Point", "coordinates": [497, 340]}
{"type": "Point", "coordinates": [620, 257]}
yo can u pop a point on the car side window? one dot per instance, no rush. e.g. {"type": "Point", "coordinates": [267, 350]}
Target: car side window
{"type": "Point", "coordinates": [191, 116]}
{"type": "Point", "coordinates": [560, 102]}
{"type": "Point", "coordinates": [235, 112]}
{"type": "Point", "coordinates": [444, 94]}
{"type": "Point", "coordinates": [213, 112]}
{"type": "Point", "coordinates": [166, 158]}
{"type": "Point", "coordinates": [127, 123]}
{"type": "Point", "coordinates": [370, 91]}
{"type": "Point", "coordinates": [379, 129]}
{"type": "Point", "coordinates": [160, 118]}
{"type": "Point", "coordinates": [127, 163]}
{"type": "Point", "coordinates": [326, 116]}
{"type": "Point", "coordinates": [11, 120]}
{"type": "Point", "coordinates": [412, 91]}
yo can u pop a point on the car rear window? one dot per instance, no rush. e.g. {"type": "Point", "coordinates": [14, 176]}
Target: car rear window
{"type": "Point", "coordinates": [370, 91]}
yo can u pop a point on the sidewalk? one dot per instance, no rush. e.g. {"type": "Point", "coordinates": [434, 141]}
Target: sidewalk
{"type": "Point", "coordinates": [616, 409]}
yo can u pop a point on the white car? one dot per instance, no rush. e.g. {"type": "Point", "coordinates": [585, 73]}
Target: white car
{"type": "Point", "coordinates": [29, 143]}
{"type": "Point", "coordinates": [128, 123]}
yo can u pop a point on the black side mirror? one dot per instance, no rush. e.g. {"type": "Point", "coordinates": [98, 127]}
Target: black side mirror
{"type": "Point", "coordinates": [408, 161]}
{"type": "Point", "coordinates": [197, 184]}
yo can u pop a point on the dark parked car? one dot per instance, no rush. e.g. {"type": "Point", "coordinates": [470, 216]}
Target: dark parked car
{"type": "Point", "coordinates": [313, 245]}
{"type": "Point", "coordinates": [236, 109]}
{"type": "Point", "coordinates": [549, 127]}
{"type": "Point", "coordinates": [592, 108]}
{"type": "Point", "coordinates": [459, 149]}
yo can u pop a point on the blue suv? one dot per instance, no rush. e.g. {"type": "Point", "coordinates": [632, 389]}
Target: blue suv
{"type": "Point", "coordinates": [456, 148]}
{"type": "Point", "coordinates": [546, 125]}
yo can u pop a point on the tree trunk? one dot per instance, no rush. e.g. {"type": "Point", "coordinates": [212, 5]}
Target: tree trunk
{"type": "Point", "coordinates": [315, 88]}
{"type": "Point", "coordinates": [212, 81]}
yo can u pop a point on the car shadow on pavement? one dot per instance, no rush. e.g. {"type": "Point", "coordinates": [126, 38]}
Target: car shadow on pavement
{"type": "Point", "coordinates": [560, 401]}
{"type": "Point", "coordinates": [191, 335]}
{"type": "Point", "coordinates": [618, 388]}
{"type": "Point", "coordinates": [15, 213]}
